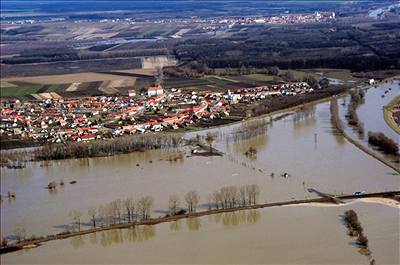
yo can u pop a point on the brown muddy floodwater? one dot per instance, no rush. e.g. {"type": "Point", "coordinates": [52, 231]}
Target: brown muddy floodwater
{"type": "Point", "coordinates": [280, 235]}
{"type": "Point", "coordinates": [302, 144]}
{"type": "Point", "coordinates": [370, 113]}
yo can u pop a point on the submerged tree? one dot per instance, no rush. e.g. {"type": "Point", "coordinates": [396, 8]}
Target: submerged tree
{"type": "Point", "coordinates": [76, 216]}
{"type": "Point", "coordinates": [192, 199]}
{"type": "Point", "coordinates": [173, 204]}
{"type": "Point", "coordinates": [92, 211]}
{"type": "Point", "coordinates": [20, 232]}
{"type": "Point", "coordinates": [144, 206]}
{"type": "Point", "coordinates": [130, 206]}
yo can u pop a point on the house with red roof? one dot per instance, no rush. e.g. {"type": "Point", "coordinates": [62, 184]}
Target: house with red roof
{"type": "Point", "coordinates": [154, 91]}
{"type": "Point", "coordinates": [88, 137]}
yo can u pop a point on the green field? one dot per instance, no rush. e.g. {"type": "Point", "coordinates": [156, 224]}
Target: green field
{"type": "Point", "coordinates": [28, 89]}
{"type": "Point", "coordinates": [52, 88]}
{"type": "Point", "coordinates": [19, 91]}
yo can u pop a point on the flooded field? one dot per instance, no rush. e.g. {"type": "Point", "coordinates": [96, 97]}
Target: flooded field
{"type": "Point", "coordinates": [373, 118]}
{"type": "Point", "coordinates": [370, 113]}
{"type": "Point", "coordinates": [300, 143]}
{"type": "Point", "coordinates": [298, 234]}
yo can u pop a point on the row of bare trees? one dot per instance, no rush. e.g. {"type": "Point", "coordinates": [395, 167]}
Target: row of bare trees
{"type": "Point", "coordinates": [233, 196]}
{"type": "Point", "coordinates": [335, 119]}
{"type": "Point", "coordinates": [131, 210]}
{"type": "Point", "coordinates": [355, 229]}
{"type": "Point", "coordinates": [356, 99]}
{"type": "Point", "coordinates": [192, 199]}
{"type": "Point", "coordinates": [249, 129]}
{"type": "Point", "coordinates": [384, 143]}
{"type": "Point", "coordinates": [115, 212]}
{"type": "Point", "coordinates": [117, 145]}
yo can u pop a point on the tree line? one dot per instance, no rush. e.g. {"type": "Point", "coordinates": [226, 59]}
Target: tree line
{"type": "Point", "coordinates": [272, 104]}
{"type": "Point", "coordinates": [354, 229]}
{"type": "Point", "coordinates": [233, 196]}
{"type": "Point", "coordinates": [384, 143]}
{"type": "Point", "coordinates": [131, 210]}
{"type": "Point", "coordinates": [45, 55]}
{"type": "Point", "coordinates": [118, 145]}
{"type": "Point", "coordinates": [356, 99]}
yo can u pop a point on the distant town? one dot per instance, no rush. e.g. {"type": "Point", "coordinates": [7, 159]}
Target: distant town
{"type": "Point", "coordinates": [100, 117]}
{"type": "Point", "coordinates": [213, 22]}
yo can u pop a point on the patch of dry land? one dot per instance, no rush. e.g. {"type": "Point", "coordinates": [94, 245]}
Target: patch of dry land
{"type": "Point", "coordinates": [7, 84]}
{"type": "Point", "coordinates": [385, 201]}
{"type": "Point", "coordinates": [68, 78]}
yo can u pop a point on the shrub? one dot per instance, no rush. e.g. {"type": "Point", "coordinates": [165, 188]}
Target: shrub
{"type": "Point", "coordinates": [362, 240]}
{"type": "Point", "coordinates": [383, 142]}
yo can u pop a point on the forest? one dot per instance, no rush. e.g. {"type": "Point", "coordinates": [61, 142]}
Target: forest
{"type": "Point", "coordinates": [329, 45]}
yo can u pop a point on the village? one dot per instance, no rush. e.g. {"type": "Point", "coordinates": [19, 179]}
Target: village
{"type": "Point", "coordinates": [285, 18]}
{"type": "Point", "coordinates": [103, 117]}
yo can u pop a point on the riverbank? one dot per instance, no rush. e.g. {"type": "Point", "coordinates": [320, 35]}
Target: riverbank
{"type": "Point", "coordinates": [388, 112]}
{"type": "Point", "coordinates": [32, 243]}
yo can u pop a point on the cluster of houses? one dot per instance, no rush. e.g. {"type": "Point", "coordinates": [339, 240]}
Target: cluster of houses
{"type": "Point", "coordinates": [99, 117]}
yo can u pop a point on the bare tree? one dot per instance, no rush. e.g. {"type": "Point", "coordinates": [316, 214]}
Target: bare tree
{"type": "Point", "coordinates": [192, 199]}
{"type": "Point", "coordinates": [20, 232]}
{"type": "Point", "coordinates": [144, 206]}
{"type": "Point", "coordinates": [92, 211]}
{"type": "Point", "coordinates": [173, 204]}
{"type": "Point", "coordinates": [253, 192]}
{"type": "Point", "coordinates": [130, 205]}
{"type": "Point", "coordinates": [232, 195]}
{"type": "Point", "coordinates": [210, 139]}
{"type": "Point", "coordinates": [242, 195]}
{"type": "Point", "coordinates": [103, 213]}
{"type": "Point", "coordinates": [224, 196]}
{"type": "Point", "coordinates": [248, 192]}
{"type": "Point", "coordinates": [76, 216]}
{"type": "Point", "coordinates": [216, 199]}
{"type": "Point", "coordinates": [116, 210]}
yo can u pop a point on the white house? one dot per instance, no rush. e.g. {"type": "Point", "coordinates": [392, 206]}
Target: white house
{"type": "Point", "coordinates": [154, 91]}
{"type": "Point", "coordinates": [131, 92]}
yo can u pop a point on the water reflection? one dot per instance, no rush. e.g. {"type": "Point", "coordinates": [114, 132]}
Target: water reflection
{"type": "Point", "coordinates": [93, 238]}
{"type": "Point", "coordinates": [248, 130]}
{"type": "Point", "coordinates": [304, 113]}
{"type": "Point", "coordinates": [77, 241]}
{"type": "Point", "coordinates": [175, 226]}
{"type": "Point", "coordinates": [232, 219]}
{"type": "Point", "coordinates": [304, 118]}
{"type": "Point", "coordinates": [116, 236]}
{"type": "Point", "coordinates": [259, 142]}
{"type": "Point", "coordinates": [193, 223]}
